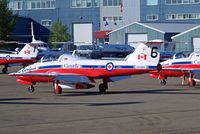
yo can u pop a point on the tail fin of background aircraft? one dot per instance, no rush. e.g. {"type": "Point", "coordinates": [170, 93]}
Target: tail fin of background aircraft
{"type": "Point", "coordinates": [32, 33]}
{"type": "Point", "coordinates": [29, 50]}
{"type": "Point", "coordinates": [143, 54]}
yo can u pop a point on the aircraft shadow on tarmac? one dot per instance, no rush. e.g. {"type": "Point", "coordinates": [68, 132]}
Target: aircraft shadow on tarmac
{"type": "Point", "coordinates": [26, 101]}
{"type": "Point", "coordinates": [139, 91]}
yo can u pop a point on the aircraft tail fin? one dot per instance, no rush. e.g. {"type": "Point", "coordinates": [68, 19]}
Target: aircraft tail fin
{"type": "Point", "coordinates": [32, 33]}
{"type": "Point", "coordinates": [144, 54]}
{"type": "Point", "coordinates": [29, 50]}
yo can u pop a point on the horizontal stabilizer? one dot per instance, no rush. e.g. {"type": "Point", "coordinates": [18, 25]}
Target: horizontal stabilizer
{"type": "Point", "coordinates": [118, 78]}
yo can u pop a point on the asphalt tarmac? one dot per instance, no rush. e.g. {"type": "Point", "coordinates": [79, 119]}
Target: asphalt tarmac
{"type": "Point", "coordinates": [139, 105]}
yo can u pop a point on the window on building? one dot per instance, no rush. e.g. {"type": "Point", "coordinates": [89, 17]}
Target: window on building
{"type": "Point", "coordinates": [174, 1]}
{"type": "Point", "coordinates": [41, 4]}
{"type": "Point", "coordinates": [152, 17]}
{"type": "Point", "coordinates": [16, 5]}
{"type": "Point", "coordinates": [168, 1]}
{"type": "Point", "coordinates": [46, 23]}
{"type": "Point", "coordinates": [105, 3]}
{"type": "Point", "coordinates": [112, 19]}
{"type": "Point", "coordinates": [89, 3]}
{"type": "Point", "coordinates": [53, 4]}
{"type": "Point", "coordinates": [96, 3]}
{"type": "Point", "coordinates": [171, 2]}
{"type": "Point", "coordinates": [11, 5]}
{"type": "Point", "coordinates": [48, 4]}
{"type": "Point", "coordinates": [112, 2]}
{"type": "Point", "coordinates": [180, 2]}
{"type": "Point", "coordinates": [185, 16]}
{"type": "Point", "coordinates": [109, 2]}
{"type": "Point", "coordinates": [120, 18]}
{"type": "Point", "coordinates": [115, 2]}
{"type": "Point", "coordinates": [82, 3]}
{"type": "Point", "coordinates": [104, 18]}
{"type": "Point", "coordinates": [152, 2]}
{"type": "Point", "coordinates": [38, 5]}
{"type": "Point", "coordinates": [33, 5]}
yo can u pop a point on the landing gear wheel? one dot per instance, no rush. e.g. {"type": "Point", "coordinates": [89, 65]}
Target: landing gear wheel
{"type": "Point", "coordinates": [31, 89]}
{"type": "Point", "coordinates": [193, 83]}
{"type": "Point", "coordinates": [58, 90]}
{"type": "Point", "coordinates": [4, 70]}
{"type": "Point", "coordinates": [163, 82]}
{"type": "Point", "coordinates": [102, 88]}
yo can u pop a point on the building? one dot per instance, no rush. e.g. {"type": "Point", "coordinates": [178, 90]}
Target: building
{"type": "Point", "coordinates": [173, 21]}
{"type": "Point", "coordinates": [165, 11]}
{"type": "Point", "coordinates": [81, 16]}
{"type": "Point", "coordinates": [115, 14]}
{"type": "Point", "coordinates": [91, 20]}
{"type": "Point", "coordinates": [143, 32]}
{"type": "Point", "coordinates": [188, 40]}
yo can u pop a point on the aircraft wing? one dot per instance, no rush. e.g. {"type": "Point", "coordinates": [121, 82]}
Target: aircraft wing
{"type": "Point", "coordinates": [73, 78]}
{"type": "Point", "coordinates": [118, 78]}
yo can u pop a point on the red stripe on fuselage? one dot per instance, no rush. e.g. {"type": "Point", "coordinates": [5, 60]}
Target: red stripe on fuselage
{"type": "Point", "coordinates": [13, 61]}
{"type": "Point", "coordinates": [183, 66]}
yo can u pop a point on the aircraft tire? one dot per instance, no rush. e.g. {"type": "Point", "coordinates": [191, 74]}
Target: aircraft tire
{"type": "Point", "coordinates": [193, 83]}
{"type": "Point", "coordinates": [31, 89]}
{"type": "Point", "coordinates": [58, 91]}
{"type": "Point", "coordinates": [4, 70]}
{"type": "Point", "coordinates": [163, 82]}
{"type": "Point", "coordinates": [102, 88]}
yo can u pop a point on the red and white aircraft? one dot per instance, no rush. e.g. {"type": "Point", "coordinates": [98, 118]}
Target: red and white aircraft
{"type": "Point", "coordinates": [24, 57]}
{"type": "Point", "coordinates": [184, 64]}
{"type": "Point", "coordinates": [68, 72]}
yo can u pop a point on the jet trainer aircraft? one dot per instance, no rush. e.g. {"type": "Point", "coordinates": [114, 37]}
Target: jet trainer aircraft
{"type": "Point", "coordinates": [68, 72]}
{"type": "Point", "coordinates": [26, 56]}
{"type": "Point", "coordinates": [184, 64]}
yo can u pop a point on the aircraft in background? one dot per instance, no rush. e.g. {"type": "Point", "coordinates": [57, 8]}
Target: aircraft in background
{"type": "Point", "coordinates": [27, 55]}
{"type": "Point", "coordinates": [62, 47]}
{"type": "Point", "coordinates": [183, 64]}
{"type": "Point", "coordinates": [70, 72]}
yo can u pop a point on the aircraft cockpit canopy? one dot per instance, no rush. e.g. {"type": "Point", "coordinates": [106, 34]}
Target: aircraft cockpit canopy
{"type": "Point", "coordinates": [184, 54]}
{"type": "Point", "coordinates": [66, 57]}
{"type": "Point", "coordinates": [48, 58]}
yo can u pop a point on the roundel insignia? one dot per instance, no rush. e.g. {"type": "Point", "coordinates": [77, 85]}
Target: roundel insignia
{"type": "Point", "coordinates": [109, 66]}
{"type": "Point", "coordinates": [7, 57]}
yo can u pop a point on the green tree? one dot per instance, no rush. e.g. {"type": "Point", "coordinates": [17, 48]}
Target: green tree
{"type": "Point", "coordinates": [7, 20]}
{"type": "Point", "coordinates": [59, 33]}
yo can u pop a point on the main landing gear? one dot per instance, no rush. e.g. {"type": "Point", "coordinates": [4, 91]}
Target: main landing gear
{"type": "Point", "coordinates": [103, 86]}
{"type": "Point", "coordinates": [5, 69]}
{"type": "Point", "coordinates": [57, 88]}
{"type": "Point", "coordinates": [192, 82]}
{"type": "Point", "coordinates": [163, 82]}
{"type": "Point", "coordinates": [31, 89]}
